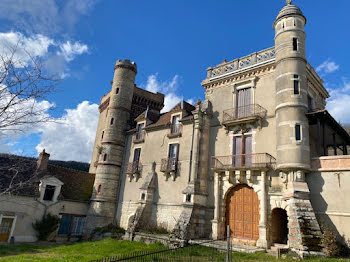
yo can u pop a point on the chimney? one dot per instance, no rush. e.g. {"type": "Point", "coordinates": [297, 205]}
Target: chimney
{"type": "Point", "coordinates": [43, 160]}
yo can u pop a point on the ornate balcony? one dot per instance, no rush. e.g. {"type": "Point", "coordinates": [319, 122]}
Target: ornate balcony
{"type": "Point", "coordinates": [175, 130]}
{"type": "Point", "coordinates": [139, 137]}
{"type": "Point", "coordinates": [243, 162]}
{"type": "Point", "coordinates": [134, 169]}
{"type": "Point", "coordinates": [168, 165]}
{"type": "Point", "coordinates": [243, 114]}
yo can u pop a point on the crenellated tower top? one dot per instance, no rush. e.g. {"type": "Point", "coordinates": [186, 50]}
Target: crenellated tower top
{"type": "Point", "coordinates": [126, 64]}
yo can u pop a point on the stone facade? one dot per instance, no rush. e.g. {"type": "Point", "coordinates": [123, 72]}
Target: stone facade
{"type": "Point", "coordinates": [241, 158]}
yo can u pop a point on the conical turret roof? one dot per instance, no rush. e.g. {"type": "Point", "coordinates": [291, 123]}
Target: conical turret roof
{"type": "Point", "coordinates": [290, 10]}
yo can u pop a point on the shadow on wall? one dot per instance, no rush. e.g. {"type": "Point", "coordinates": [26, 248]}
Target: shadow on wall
{"type": "Point", "coordinates": [316, 184]}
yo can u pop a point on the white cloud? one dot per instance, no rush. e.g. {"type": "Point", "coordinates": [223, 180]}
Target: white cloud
{"type": "Point", "coordinates": [54, 54]}
{"type": "Point", "coordinates": [24, 47]}
{"type": "Point", "coordinates": [70, 50]}
{"type": "Point", "coordinates": [338, 104]}
{"type": "Point", "coordinates": [47, 17]}
{"type": "Point", "coordinates": [72, 137]}
{"type": "Point", "coordinates": [168, 88]}
{"type": "Point", "coordinates": [327, 67]}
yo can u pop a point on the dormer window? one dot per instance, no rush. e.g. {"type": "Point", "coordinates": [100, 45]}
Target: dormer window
{"type": "Point", "coordinates": [49, 192]}
{"type": "Point", "coordinates": [175, 125]}
{"type": "Point", "coordinates": [49, 188]}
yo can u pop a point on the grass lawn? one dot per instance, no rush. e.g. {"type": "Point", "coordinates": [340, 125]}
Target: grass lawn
{"type": "Point", "coordinates": [87, 251]}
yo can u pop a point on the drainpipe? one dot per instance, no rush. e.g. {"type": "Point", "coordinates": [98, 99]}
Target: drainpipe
{"type": "Point", "coordinates": [191, 153]}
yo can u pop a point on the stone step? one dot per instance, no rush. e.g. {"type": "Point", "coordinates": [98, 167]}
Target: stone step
{"type": "Point", "coordinates": [222, 245]}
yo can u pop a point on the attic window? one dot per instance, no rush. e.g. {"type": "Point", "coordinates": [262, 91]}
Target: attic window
{"type": "Point", "coordinates": [49, 192]}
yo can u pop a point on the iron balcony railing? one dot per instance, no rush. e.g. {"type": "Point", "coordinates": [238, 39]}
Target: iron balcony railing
{"type": "Point", "coordinates": [134, 168]}
{"type": "Point", "coordinates": [139, 136]}
{"type": "Point", "coordinates": [168, 164]}
{"type": "Point", "coordinates": [175, 130]}
{"type": "Point", "coordinates": [245, 161]}
{"type": "Point", "coordinates": [238, 113]}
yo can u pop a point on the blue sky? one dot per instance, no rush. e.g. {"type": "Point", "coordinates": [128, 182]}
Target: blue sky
{"type": "Point", "coordinates": [172, 42]}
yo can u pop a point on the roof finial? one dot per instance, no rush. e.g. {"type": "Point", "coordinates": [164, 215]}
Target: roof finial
{"type": "Point", "coordinates": [289, 2]}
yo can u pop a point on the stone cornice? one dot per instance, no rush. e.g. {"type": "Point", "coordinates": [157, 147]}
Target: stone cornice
{"type": "Point", "coordinates": [242, 75]}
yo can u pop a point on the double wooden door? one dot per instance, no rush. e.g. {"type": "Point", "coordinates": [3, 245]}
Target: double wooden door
{"type": "Point", "coordinates": [5, 229]}
{"type": "Point", "coordinates": [242, 213]}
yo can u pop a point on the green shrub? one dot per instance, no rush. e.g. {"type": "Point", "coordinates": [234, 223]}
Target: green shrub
{"type": "Point", "coordinates": [46, 226]}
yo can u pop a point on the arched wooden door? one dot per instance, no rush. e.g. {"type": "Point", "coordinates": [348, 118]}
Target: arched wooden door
{"type": "Point", "coordinates": [242, 212]}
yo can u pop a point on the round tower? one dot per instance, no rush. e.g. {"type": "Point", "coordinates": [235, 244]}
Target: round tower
{"type": "Point", "coordinates": [293, 149]}
{"type": "Point", "coordinates": [103, 201]}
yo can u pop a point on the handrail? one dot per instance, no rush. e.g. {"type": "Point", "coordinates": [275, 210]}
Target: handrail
{"type": "Point", "coordinates": [134, 167]}
{"type": "Point", "coordinates": [256, 160]}
{"type": "Point", "coordinates": [168, 164]}
{"type": "Point", "coordinates": [253, 110]}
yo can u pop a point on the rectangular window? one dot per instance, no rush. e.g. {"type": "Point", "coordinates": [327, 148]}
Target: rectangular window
{"type": "Point", "coordinates": [49, 192]}
{"type": "Point", "coordinates": [296, 84]}
{"type": "Point", "coordinates": [77, 226]}
{"type": "Point", "coordinates": [309, 103]}
{"type": "Point", "coordinates": [71, 225]}
{"type": "Point", "coordinates": [137, 154]}
{"type": "Point", "coordinates": [175, 127]}
{"type": "Point", "coordinates": [297, 132]}
{"type": "Point", "coordinates": [173, 151]}
{"type": "Point", "coordinates": [139, 131]}
{"type": "Point", "coordinates": [295, 44]}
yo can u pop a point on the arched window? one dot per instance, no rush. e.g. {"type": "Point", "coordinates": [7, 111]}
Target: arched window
{"type": "Point", "coordinates": [117, 90]}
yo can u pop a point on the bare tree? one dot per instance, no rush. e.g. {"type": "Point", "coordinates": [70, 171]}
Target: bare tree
{"type": "Point", "coordinates": [23, 86]}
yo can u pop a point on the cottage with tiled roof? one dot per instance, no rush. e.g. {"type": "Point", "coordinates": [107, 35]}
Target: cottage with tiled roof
{"type": "Point", "coordinates": [31, 189]}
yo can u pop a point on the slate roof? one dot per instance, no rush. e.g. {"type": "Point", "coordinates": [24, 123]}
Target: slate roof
{"type": "Point", "coordinates": [22, 172]}
{"type": "Point", "coordinates": [165, 118]}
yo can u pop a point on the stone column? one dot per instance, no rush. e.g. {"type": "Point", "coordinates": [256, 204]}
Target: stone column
{"type": "Point", "coordinates": [196, 137]}
{"type": "Point", "coordinates": [216, 220]}
{"type": "Point", "coordinates": [262, 241]}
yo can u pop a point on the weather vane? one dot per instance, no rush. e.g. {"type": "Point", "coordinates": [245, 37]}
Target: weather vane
{"type": "Point", "coordinates": [289, 2]}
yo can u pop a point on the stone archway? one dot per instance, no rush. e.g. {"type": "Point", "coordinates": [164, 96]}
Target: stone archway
{"type": "Point", "coordinates": [279, 226]}
{"type": "Point", "coordinates": [242, 212]}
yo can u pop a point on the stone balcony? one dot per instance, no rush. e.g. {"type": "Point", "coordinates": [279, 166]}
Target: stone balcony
{"type": "Point", "coordinates": [243, 114]}
{"type": "Point", "coordinates": [258, 161]}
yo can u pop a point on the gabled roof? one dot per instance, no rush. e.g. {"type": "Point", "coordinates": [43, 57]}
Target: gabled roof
{"type": "Point", "coordinates": [22, 173]}
{"type": "Point", "coordinates": [165, 118]}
